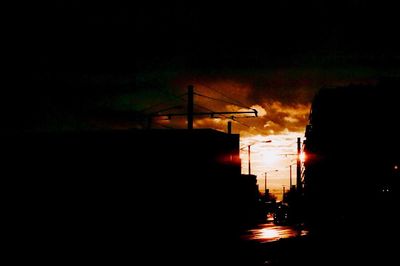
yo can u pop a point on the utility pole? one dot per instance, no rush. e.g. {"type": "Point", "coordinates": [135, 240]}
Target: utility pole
{"type": "Point", "coordinates": [283, 195]}
{"type": "Point", "coordinates": [298, 179]}
{"type": "Point", "coordinates": [190, 107]}
{"type": "Point", "coordinates": [248, 149]}
{"type": "Point", "coordinates": [265, 184]}
{"type": "Point", "coordinates": [190, 111]}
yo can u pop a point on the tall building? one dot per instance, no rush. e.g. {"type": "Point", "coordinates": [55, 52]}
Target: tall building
{"type": "Point", "coordinates": [353, 147]}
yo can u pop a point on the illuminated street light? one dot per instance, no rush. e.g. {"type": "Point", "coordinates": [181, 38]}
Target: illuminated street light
{"type": "Point", "coordinates": [248, 151]}
{"type": "Point", "coordinates": [265, 183]}
{"type": "Point", "coordinates": [283, 193]}
{"type": "Point", "coordinates": [290, 175]}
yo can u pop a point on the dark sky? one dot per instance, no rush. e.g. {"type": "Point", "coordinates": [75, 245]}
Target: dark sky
{"type": "Point", "coordinates": [68, 61]}
{"type": "Point", "coordinates": [279, 53]}
{"type": "Point", "coordinates": [264, 33]}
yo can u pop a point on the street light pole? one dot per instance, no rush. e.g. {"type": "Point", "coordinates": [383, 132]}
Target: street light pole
{"type": "Point", "coordinates": [248, 151]}
{"type": "Point", "coordinates": [298, 174]}
{"type": "Point", "coordinates": [265, 179]}
{"type": "Point", "coordinates": [265, 184]}
{"type": "Point", "coordinates": [249, 158]}
{"type": "Point", "coordinates": [283, 195]}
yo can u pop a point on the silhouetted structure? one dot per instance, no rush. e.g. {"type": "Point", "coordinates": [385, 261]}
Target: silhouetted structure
{"type": "Point", "coordinates": [192, 175]}
{"type": "Point", "coordinates": [67, 187]}
{"type": "Point", "coordinates": [251, 207]}
{"type": "Point", "coordinates": [353, 147]}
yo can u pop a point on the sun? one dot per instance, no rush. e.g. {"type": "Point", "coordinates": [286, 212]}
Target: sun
{"type": "Point", "coordinates": [270, 157]}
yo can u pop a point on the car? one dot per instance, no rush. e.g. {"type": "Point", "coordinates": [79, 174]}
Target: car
{"type": "Point", "coordinates": [281, 214]}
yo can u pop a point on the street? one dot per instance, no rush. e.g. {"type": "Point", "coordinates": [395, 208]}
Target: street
{"type": "Point", "coordinates": [269, 232]}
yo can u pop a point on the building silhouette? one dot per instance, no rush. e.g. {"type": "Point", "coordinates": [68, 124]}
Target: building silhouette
{"type": "Point", "coordinates": [352, 146]}
{"type": "Point", "coordinates": [180, 185]}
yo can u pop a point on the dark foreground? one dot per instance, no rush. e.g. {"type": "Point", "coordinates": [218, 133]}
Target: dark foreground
{"type": "Point", "coordinates": [372, 243]}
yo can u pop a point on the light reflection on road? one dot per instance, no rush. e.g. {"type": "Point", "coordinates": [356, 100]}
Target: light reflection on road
{"type": "Point", "coordinates": [270, 232]}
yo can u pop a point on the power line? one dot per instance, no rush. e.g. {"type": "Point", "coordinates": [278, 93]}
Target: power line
{"type": "Point", "coordinates": [243, 124]}
{"type": "Point", "coordinates": [169, 108]}
{"type": "Point", "coordinates": [170, 95]}
{"type": "Point", "coordinates": [246, 125]}
{"type": "Point", "coordinates": [204, 108]}
{"type": "Point", "coordinates": [227, 117]}
{"type": "Point", "coordinates": [212, 113]}
{"type": "Point", "coordinates": [153, 106]}
{"type": "Point", "coordinates": [220, 100]}
{"type": "Point", "coordinates": [168, 127]}
{"type": "Point", "coordinates": [244, 117]}
{"type": "Point", "coordinates": [208, 109]}
{"type": "Point", "coordinates": [203, 113]}
{"type": "Point", "coordinates": [232, 118]}
{"type": "Point", "coordinates": [238, 103]}
{"type": "Point", "coordinates": [190, 113]}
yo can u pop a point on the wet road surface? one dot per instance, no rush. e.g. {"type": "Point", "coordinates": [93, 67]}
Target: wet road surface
{"type": "Point", "coordinates": [269, 232]}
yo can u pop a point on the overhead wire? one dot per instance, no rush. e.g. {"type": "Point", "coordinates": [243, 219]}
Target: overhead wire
{"type": "Point", "coordinates": [238, 103]}
{"type": "Point", "coordinates": [180, 97]}
{"type": "Point", "coordinates": [176, 97]}
{"type": "Point", "coordinates": [219, 100]}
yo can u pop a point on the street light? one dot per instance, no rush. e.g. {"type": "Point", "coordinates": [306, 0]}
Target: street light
{"type": "Point", "coordinates": [283, 193]}
{"type": "Point", "coordinates": [265, 183]}
{"type": "Point", "coordinates": [290, 166]}
{"type": "Point", "coordinates": [248, 150]}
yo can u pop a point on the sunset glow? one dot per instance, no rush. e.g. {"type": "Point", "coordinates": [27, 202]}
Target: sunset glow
{"type": "Point", "coordinates": [254, 132]}
{"type": "Point", "coordinates": [267, 157]}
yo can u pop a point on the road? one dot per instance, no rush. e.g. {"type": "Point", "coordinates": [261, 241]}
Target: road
{"type": "Point", "coordinates": [269, 232]}
{"type": "Point", "coordinates": [349, 243]}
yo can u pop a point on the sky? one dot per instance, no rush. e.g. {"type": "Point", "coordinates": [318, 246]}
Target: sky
{"type": "Point", "coordinates": [282, 97]}
{"type": "Point", "coordinates": [272, 57]}
{"type": "Point", "coordinates": [87, 64]}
